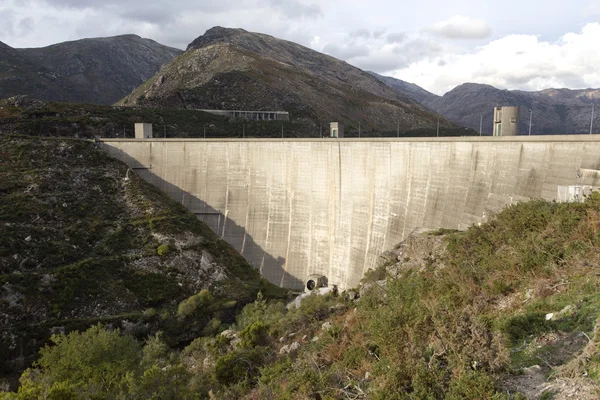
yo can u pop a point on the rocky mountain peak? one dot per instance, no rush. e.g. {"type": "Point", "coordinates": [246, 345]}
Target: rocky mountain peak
{"type": "Point", "coordinates": [469, 86]}
{"type": "Point", "coordinates": [129, 36]}
{"type": "Point", "coordinates": [215, 35]}
{"type": "Point", "coordinates": [239, 70]}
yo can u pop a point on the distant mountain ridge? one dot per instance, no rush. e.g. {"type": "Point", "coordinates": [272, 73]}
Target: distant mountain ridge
{"type": "Point", "coordinates": [20, 75]}
{"type": "Point", "coordinates": [553, 111]}
{"type": "Point", "coordinates": [236, 69]}
{"type": "Point", "coordinates": [96, 70]}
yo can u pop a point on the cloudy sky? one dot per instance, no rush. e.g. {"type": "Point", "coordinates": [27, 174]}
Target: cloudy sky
{"type": "Point", "coordinates": [434, 43]}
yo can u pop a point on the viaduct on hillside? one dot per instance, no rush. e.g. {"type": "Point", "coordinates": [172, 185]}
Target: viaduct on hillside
{"type": "Point", "coordinates": [296, 207]}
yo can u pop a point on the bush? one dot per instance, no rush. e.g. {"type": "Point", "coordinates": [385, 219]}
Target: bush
{"type": "Point", "coordinates": [195, 304]}
{"type": "Point", "coordinates": [312, 309]}
{"type": "Point", "coordinates": [260, 311]}
{"type": "Point", "coordinates": [255, 335]}
{"type": "Point", "coordinates": [240, 366]}
{"type": "Point", "coordinates": [97, 363]}
{"type": "Point", "coordinates": [163, 250]}
{"type": "Point", "coordinates": [212, 327]}
{"type": "Point", "coordinates": [522, 326]}
{"type": "Point", "coordinates": [474, 385]}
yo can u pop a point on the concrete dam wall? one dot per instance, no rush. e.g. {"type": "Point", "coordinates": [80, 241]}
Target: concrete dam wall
{"type": "Point", "coordinates": [331, 206]}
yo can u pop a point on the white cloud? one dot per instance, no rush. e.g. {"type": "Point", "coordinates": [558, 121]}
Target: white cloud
{"type": "Point", "coordinates": [171, 22]}
{"type": "Point", "coordinates": [381, 53]}
{"type": "Point", "coordinates": [461, 27]}
{"type": "Point", "coordinates": [396, 37]}
{"type": "Point", "coordinates": [346, 52]}
{"type": "Point", "coordinates": [516, 62]}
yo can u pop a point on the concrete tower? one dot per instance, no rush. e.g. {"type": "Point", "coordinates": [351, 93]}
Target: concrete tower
{"type": "Point", "coordinates": [336, 129]}
{"type": "Point", "coordinates": [506, 121]}
{"type": "Point", "coordinates": [143, 130]}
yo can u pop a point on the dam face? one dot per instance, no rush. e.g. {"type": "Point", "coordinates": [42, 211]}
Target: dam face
{"type": "Point", "coordinates": [298, 207]}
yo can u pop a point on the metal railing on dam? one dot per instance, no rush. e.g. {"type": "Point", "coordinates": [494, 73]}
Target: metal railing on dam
{"type": "Point", "coordinates": [295, 207]}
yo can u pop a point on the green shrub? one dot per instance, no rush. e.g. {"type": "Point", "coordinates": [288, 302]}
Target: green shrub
{"type": "Point", "coordinates": [312, 309]}
{"type": "Point", "coordinates": [429, 383]}
{"type": "Point", "coordinates": [212, 327]}
{"type": "Point", "coordinates": [240, 366]}
{"type": "Point", "coordinates": [155, 352]}
{"type": "Point", "coordinates": [195, 304]}
{"type": "Point", "coordinates": [547, 395]}
{"type": "Point", "coordinates": [260, 311]}
{"type": "Point", "coordinates": [474, 385]}
{"type": "Point", "coordinates": [163, 250]}
{"type": "Point", "coordinates": [163, 383]}
{"type": "Point", "coordinates": [149, 313]}
{"type": "Point", "coordinates": [255, 335]}
{"type": "Point", "coordinates": [353, 356]}
{"type": "Point", "coordinates": [97, 363]}
{"type": "Point", "coordinates": [523, 326]}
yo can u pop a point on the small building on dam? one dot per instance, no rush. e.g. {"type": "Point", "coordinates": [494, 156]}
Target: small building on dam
{"type": "Point", "coordinates": [506, 121]}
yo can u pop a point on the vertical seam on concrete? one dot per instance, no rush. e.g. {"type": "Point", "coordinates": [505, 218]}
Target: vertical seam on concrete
{"type": "Point", "coordinates": [309, 269]}
{"type": "Point", "coordinates": [270, 196]}
{"type": "Point", "coordinates": [427, 200]}
{"type": "Point", "coordinates": [389, 198]}
{"type": "Point", "coordinates": [185, 185]}
{"type": "Point", "coordinates": [471, 181]}
{"type": "Point", "coordinates": [331, 210]}
{"type": "Point", "coordinates": [289, 238]}
{"type": "Point", "coordinates": [340, 206]}
{"type": "Point", "coordinates": [204, 167]}
{"type": "Point", "coordinates": [408, 191]}
{"type": "Point", "coordinates": [248, 181]}
{"type": "Point", "coordinates": [370, 223]}
{"type": "Point", "coordinates": [226, 193]}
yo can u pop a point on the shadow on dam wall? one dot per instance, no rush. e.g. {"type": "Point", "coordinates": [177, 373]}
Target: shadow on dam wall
{"type": "Point", "coordinates": [252, 251]}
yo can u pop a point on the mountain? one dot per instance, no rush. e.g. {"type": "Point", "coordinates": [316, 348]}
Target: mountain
{"type": "Point", "coordinates": [106, 69]}
{"type": "Point", "coordinates": [20, 75]}
{"type": "Point", "coordinates": [100, 70]}
{"type": "Point", "coordinates": [409, 89]}
{"type": "Point", "coordinates": [553, 111]}
{"type": "Point", "coordinates": [235, 69]}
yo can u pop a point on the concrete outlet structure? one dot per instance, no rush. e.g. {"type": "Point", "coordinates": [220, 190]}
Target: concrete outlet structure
{"type": "Point", "coordinates": [506, 121]}
{"type": "Point", "coordinates": [294, 208]}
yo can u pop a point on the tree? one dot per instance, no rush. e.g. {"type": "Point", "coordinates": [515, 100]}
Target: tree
{"type": "Point", "coordinates": [97, 363]}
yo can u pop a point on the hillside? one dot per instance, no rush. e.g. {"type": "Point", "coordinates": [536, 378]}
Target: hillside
{"type": "Point", "coordinates": [554, 111]}
{"type": "Point", "coordinates": [506, 310]}
{"type": "Point", "coordinates": [25, 116]}
{"type": "Point", "coordinates": [84, 240]}
{"type": "Point", "coordinates": [236, 69]}
{"type": "Point", "coordinates": [105, 69]}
